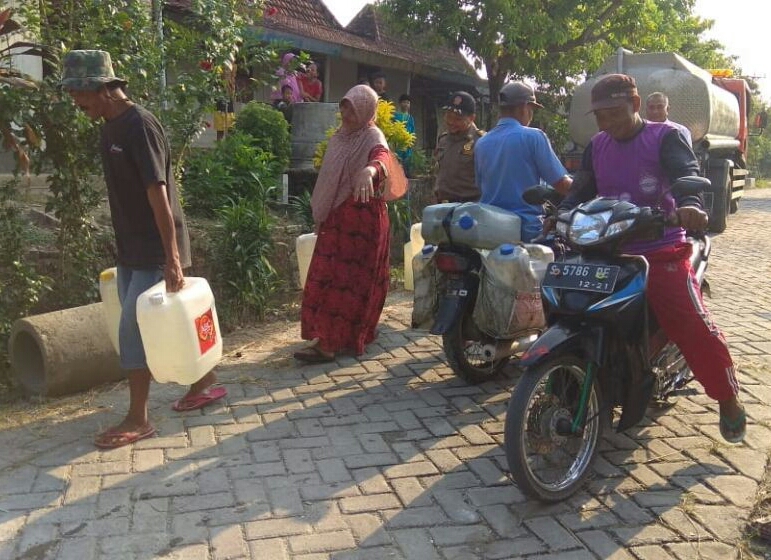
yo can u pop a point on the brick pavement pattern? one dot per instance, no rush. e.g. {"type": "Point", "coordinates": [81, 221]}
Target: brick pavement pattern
{"type": "Point", "coordinates": [388, 456]}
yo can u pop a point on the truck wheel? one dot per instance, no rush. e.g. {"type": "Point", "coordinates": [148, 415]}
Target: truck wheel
{"type": "Point", "coordinates": [721, 198]}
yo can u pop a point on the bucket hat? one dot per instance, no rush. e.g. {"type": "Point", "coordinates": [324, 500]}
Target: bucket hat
{"type": "Point", "coordinates": [88, 70]}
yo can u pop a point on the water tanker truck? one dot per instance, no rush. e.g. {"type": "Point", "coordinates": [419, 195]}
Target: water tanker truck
{"type": "Point", "coordinates": [715, 108]}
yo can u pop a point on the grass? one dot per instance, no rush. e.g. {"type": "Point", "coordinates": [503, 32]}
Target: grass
{"type": "Point", "coordinates": [761, 512]}
{"type": "Point", "coordinates": [750, 543]}
{"type": "Point", "coordinates": [38, 411]}
{"type": "Point", "coordinates": [36, 236]}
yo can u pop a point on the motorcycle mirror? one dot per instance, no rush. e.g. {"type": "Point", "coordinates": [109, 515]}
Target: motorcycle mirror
{"type": "Point", "coordinates": [538, 194]}
{"type": "Point", "coordinates": [689, 186]}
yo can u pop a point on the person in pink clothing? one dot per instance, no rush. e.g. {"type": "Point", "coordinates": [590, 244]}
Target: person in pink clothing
{"type": "Point", "coordinates": [288, 76]}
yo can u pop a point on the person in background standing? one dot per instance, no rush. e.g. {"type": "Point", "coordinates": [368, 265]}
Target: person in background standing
{"type": "Point", "coordinates": [225, 115]}
{"type": "Point", "coordinates": [224, 118]}
{"type": "Point", "coordinates": [403, 115]}
{"type": "Point", "coordinates": [150, 231]}
{"type": "Point", "coordinates": [312, 87]}
{"type": "Point", "coordinates": [454, 153]}
{"type": "Point", "coordinates": [285, 104]}
{"type": "Point", "coordinates": [657, 110]}
{"type": "Point", "coordinates": [379, 84]}
{"type": "Point", "coordinates": [349, 274]}
{"type": "Point", "coordinates": [287, 76]}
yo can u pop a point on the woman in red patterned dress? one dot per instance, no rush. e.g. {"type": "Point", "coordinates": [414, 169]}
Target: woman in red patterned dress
{"type": "Point", "coordinates": [348, 276]}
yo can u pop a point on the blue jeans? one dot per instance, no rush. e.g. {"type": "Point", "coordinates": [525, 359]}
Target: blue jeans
{"type": "Point", "coordinates": [131, 283]}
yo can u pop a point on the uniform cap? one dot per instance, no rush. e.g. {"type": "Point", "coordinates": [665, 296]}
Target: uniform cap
{"type": "Point", "coordinates": [462, 103]}
{"type": "Point", "coordinates": [614, 90]}
{"type": "Point", "coordinates": [517, 93]}
{"type": "Point", "coordinates": [87, 70]}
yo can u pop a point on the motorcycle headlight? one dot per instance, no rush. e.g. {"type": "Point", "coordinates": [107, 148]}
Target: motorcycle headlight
{"type": "Point", "coordinates": [586, 229]}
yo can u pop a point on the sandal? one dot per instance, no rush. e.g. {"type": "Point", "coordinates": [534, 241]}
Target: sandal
{"type": "Point", "coordinates": [313, 355]}
{"type": "Point", "coordinates": [199, 400]}
{"type": "Point", "coordinates": [733, 431]}
{"type": "Point", "coordinates": [113, 438]}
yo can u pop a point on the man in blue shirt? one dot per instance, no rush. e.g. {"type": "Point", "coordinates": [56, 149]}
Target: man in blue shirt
{"type": "Point", "coordinates": [512, 157]}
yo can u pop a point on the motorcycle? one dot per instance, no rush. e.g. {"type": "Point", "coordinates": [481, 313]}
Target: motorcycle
{"type": "Point", "coordinates": [474, 353]}
{"type": "Point", "coordinates": [602, 350]}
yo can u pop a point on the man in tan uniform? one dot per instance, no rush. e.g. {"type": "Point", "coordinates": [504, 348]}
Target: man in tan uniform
{"type": "Point", "coordinates": [454, 154]}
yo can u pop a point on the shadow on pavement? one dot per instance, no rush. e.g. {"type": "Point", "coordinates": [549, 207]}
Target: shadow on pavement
{"type": "Point", "coordinates": [385, 456]}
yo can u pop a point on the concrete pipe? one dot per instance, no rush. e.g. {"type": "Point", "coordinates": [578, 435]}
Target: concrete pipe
{"type": "Point", "coordinates": [63, 352]}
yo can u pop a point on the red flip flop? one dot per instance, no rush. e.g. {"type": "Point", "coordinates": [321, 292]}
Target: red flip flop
{"type": "Point", "coordinates": [199, 400]}
{"type": "Point", "coordinates": [114, 438]}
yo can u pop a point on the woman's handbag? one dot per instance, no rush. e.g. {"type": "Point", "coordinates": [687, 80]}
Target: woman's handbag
{"type": "Point", "coordinates": [395, 183]}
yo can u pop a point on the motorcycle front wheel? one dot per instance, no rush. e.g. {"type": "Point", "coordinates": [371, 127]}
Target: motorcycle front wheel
{"type": "Point", "coordinates": [463, 345]}
{"type": "Point", "coordinates": [550, 453]}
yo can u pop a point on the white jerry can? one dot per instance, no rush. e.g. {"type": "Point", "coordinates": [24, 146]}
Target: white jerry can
{"type": "Point", "coordinates": [180, 331]}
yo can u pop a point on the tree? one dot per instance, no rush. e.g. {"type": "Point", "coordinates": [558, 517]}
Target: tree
{"type": "Point", "coordinates": [63, 142]}
{"type": "Point", "coordinates": [553, 42]}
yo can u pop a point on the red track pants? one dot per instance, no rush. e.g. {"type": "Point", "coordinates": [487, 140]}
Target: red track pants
{"type": "Point", "coordinates": [676, 300]}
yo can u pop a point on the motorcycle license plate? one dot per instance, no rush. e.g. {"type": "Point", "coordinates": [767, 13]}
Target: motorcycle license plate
{"type": "Point", "coordinates": [581, 276]}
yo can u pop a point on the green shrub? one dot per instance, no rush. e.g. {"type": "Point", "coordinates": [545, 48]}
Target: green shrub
{"type": "Point", "coordinates": [301, 209]}
{"type": "Point", "coordinates": [21, 285]}
{"type": "Point", "coordinates": [268, 128]}
{"type": "Point", "coordinates": [421, 165]}
{"type": "Point", "coordinates": [244, 278]}
{"type": "Point", "coordinates": [235, 169]}
{"type": "Point", "coordinates": [400, 219]}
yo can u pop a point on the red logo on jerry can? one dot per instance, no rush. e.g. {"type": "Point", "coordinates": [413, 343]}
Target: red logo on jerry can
{"type": "Point", "coordinates": [207, 332]}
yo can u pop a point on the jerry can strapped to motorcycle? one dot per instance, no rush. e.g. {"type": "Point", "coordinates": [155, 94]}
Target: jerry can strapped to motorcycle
{"type": "Point", "coordinates": [428, 283]}
{"type": "Point", "coordinates": [509, 299]}
{"type": "Point", "coordinates": [476, 224]}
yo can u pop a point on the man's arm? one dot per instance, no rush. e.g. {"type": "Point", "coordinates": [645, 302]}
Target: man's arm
{"type": "Point", "coordinates": [437, 158]}
{"type": "Point", "coordinates": [584, 186]}
{"type": "Point", "coordinates": [678, 160]}
{"type": "Point", "coordinates": [562, 186]}
{"type": "Point", "coordinates": [164, 220]}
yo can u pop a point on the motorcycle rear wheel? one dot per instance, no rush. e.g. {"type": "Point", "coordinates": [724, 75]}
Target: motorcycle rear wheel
{"type": "Point", "coordinates": [462, 346]}
{"type": "Point", "coordinates": [546, 461]}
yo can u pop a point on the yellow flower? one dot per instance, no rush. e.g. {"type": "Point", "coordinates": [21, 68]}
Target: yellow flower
{"type": "Point", "coordinates": [395, 132]}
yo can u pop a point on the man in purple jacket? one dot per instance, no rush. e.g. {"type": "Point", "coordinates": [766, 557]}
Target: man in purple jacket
{"type": "Point", "coordinates": [638, 160]}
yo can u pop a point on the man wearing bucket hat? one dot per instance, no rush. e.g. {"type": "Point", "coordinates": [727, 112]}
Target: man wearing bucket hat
{"type": "Point", "coordinates": [150, 231]}
{"type": "Point", "coordinates": [454, 153]}
{"type": "Point", "coordinates": [512, 157]}
{"type": "Point", "coordinates": [638, 160]}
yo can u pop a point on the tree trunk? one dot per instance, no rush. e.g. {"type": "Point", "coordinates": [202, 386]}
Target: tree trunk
{"type": "Point", "coordinates": [495, 80]}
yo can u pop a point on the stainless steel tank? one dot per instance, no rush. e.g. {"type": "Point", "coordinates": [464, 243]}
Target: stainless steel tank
{"type": "Point", "coordinates": [694, 100]}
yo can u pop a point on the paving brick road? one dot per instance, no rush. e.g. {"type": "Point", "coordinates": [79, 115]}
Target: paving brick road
{"type": "Point", "coordinates": [388, 456]}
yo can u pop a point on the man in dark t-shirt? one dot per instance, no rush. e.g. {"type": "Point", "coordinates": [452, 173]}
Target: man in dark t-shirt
{"type": "Point", "coordinates": [150, 232]}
